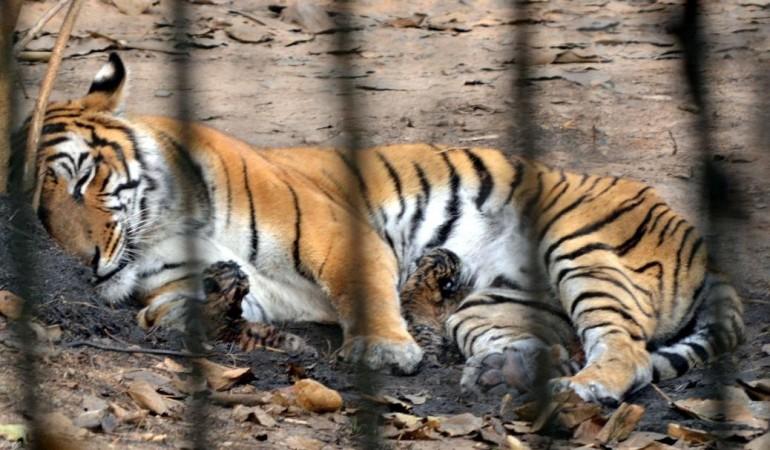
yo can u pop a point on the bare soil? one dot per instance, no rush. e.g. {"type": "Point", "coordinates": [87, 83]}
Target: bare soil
{"type": "Point", "coordinates": [608, 96]}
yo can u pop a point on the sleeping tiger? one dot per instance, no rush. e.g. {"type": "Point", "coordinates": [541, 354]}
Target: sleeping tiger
{"type": "Point", "coordinates": [128, 196]}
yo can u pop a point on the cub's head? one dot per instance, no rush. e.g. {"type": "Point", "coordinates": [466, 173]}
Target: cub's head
{"type": "Point", "coordinates": [89, 184]}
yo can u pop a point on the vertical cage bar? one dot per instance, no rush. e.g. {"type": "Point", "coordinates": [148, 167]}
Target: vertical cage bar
{"type": "Point", "coordinates": [22, 259]}
{"type": "Point", "coordinates": [197, 433]}
{"type": "Point", "coordinates": [367, 382]}
{"type": "Point", "coordinates": [714, 200]}
{"type": "Point", "coordinates": [523, 110]}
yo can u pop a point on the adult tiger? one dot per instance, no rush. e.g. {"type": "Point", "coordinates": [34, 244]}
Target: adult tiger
{"type": "Point", "coordinates": [126, 195]}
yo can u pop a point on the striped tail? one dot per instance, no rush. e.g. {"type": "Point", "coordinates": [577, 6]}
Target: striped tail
{"type": "Point", "coordinates": [718, 328]}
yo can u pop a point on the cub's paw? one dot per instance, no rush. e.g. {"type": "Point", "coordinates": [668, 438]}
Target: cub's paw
{"type": "Point", "coordinates": [255, 336]}
{"type": "Point", "coordinates": [513, 369]}
{"type": "Point", "coordinates": [378, 353]}
{"type": "Point", "coordinates": [224, 285]}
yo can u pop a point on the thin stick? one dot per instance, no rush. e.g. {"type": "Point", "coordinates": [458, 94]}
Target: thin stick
{"type": "Point", "coordinates": [662, 394]}
{"type": "Point", "coordinates": [36, 125]}
{"type": "Point", "coordinates": [35, 30]}
{"type": "Point", "coordinates": [149, 351]}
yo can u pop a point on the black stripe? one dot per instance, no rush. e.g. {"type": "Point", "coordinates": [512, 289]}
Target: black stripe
{"type": "Point", "coordinates": [518, 176]}
{"type": "Point", "coordinates": [60, 156]}
{"type": "Point", "coordinates": [501, 281]}
{"type": "Point", "coordinates": [678, 362]}
{"type": "Point", "coordinates": [452, 207]}
{"type": "Point", "coordinates": [81, 158]}
{"type": "Point", "coordinates": [396, 180]}
{"type": "Point", "coordinates": [695, 247]}
{"type": "Point", "coordinates": [54, 141]}
{"type": "Point", "coordinates": [163, 268]}
{"type": "Point", "coordinates": [252, 217]}
{"type": "Point", "coordinates": [614, 329]}
{"type": "Point", "coordinates": [699, 350]}
{"type": "Point", "coordinates": [555, 199]}
{"type": "Point", "coordinates": [631, 204]}
{"type": "Point", "coordinates": [562, 181]}
{"type": "Point", "coordinates": [527, 211]}
{"type": "Point", "coordinates": [130, 184]}
{"type": "Point", "coordinates": [678, 263]}
{"type": "Point", "coordinates": [486, 183]}
{"type": "Point", "coordinates": [422, 203]}
{"type": "Point", "coordinates": [639, 233]}
{"type": "Point", "coordinates": [610, 309]}
{"type": "Point", "coordinates": [453, 331]}
{"type": "Point", "coordinates": [612, 184]}
{"type": "Point", "coordinates": [494, 299]}
{"type": "Point", "coordinates": [469, 344]}
{"type": "Point", "coordinates": [354, 169]}
{"type": "Point", "coordinates": [295, 252]}
{"type": "Point", "coordinates": [560, 214]}
{"type": "Point", "coordinates": [658, 217]}
{"type": "Point", "coordinates": [229, 190]}
{"type": "Point", "coordinates": [662, 233]}
{"type": "Point", "coordinates": [52, 128]}
{"type": "Point", "coordinates": [616, 283]}
{"type": "Point", "coordinates": [655, 374]}
{"type": "Point", "coordinates": [676, 228]}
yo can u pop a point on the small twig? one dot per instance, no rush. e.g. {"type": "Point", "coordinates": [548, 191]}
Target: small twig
{"type": "Point", "coordinates": [149, 351]}
{"type": "Point", "coordinates": [226, 399]}
{"type": "Point", "coordinates": [36, 124]}
{"type": "Point", "coordinates": [673, 140]}
{"type": "Point", "coordinates": [35, 30]}
{"type": "Point", "coordinates": [662, 394]}
{"type": "Point", "coordinates": [248, 16]}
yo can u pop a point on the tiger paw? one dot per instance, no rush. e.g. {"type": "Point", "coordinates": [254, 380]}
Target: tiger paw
{"type": "Point", "coordinates": [600, 384]}
{"type": "Point", "coordinates": [378, 353]}
{"type": "Point", "coordinates": [514, 369]}
{"type": "Point", "coordinates": [256, 336]}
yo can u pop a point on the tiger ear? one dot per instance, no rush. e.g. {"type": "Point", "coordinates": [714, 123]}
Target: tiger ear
{"type": "Point", "coordinates": [108, 88]}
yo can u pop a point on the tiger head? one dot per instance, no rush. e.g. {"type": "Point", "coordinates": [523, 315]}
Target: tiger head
{"type": "Point", "coordinates": [90, 184]}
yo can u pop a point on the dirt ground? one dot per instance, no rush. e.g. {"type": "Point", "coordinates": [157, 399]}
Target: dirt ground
{"type": "Point", "coordinates": [608, 97]}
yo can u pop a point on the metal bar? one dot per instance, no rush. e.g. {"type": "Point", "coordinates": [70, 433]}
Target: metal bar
{"type": "Point", "coordinates": [367, 382]}
{"type": "Point", "coordinates": [10, 14]}
{"type": "Point", "coordinates": [714, 198]}
{"type": "Point", "coordinates": [22, 259]}
{"type": "Point", "coordinates": [524, 109]}
{"type": "Point", "coordinates": [197, 433]}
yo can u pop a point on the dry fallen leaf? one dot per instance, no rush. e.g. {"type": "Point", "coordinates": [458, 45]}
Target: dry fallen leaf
{"type": "Point", "coordinates": [515, 444]}
{"type": "Point", "coordinates": [460, 424]}
{"type": "Point", "coordinates": [587, 431]}
{"type": "Point", "coordinates": [255, 414]}
{"type": "Point", "coordinates": [10, 304]}
{"type": "Point", "coordinates": [690, 435]}
{"type": "Point", "coordinates": [408, 427]}
{"type": "Point", "coordinates": [133, 7]}
{"type": "Point", "coordinates": [733, 410]}
{"type": "Point", "coordinates": [13, 432]}
{"type": "Point", "coordinates": [146, 397]}
{"type": "Point", "coordinates": [303, 443]}
{"type": "Point", "coordinates": [757, 389]}
{"type": "Point", "coordinates": [760, 443]}
{"type": "Point", "coordinates": [621, 423]}
{"type": "Point", "coordinates": [572, 57]}
{"type": "Point", "coordinates": [133, 417]}
{"type": "Point", "coordinates": [56, 431]}
{"type": "Point", "coordinates": [640, 439]}
{"type": "Point", "coordinates": [220, 377]}
{"type": "Point", "coordinates": [308, 15]}
{"type": "Point", "coordinates": [315, 397]}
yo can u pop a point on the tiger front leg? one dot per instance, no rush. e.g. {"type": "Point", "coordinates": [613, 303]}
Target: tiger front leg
{"type": "Point", "coordinates": [362, 286]}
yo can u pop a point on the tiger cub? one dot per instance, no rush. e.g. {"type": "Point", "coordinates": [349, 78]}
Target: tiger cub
{"type": "Point", "coordinates": [131, 195]}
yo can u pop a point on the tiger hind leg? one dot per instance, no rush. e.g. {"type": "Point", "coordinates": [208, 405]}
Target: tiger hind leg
{"type": "Point", "coordinates": [718, 328]}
